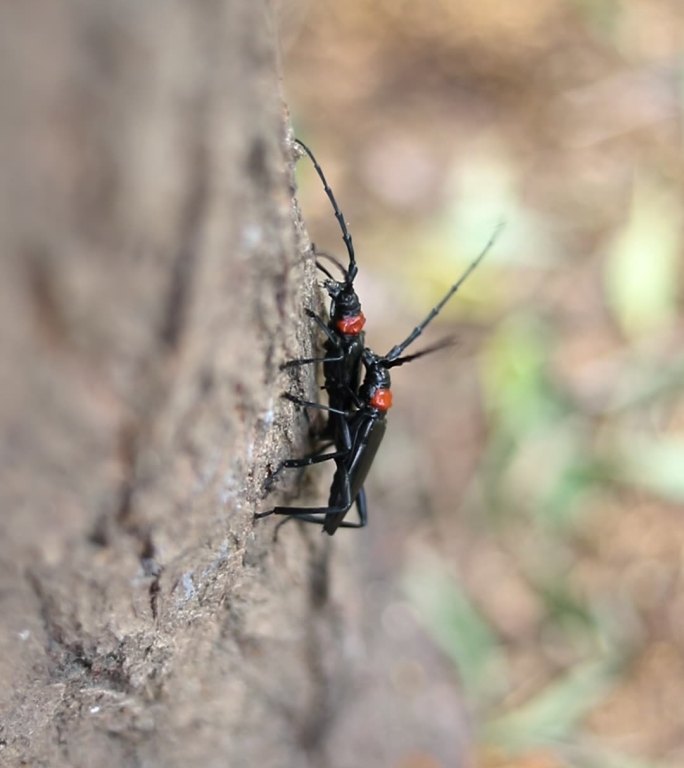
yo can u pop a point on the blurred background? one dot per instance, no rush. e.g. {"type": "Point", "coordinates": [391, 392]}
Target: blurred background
{"type": "Point", "coordinates": [526, 543]}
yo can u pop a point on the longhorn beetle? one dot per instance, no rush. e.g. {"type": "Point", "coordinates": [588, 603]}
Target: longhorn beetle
{"type": "Point", "coordinates": [359, 431]}
{"type": "Point", "coordinates": [345, 338]}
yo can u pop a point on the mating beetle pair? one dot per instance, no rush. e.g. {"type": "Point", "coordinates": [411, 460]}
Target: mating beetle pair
{"type": "Point", "coordinates": [357, 410]}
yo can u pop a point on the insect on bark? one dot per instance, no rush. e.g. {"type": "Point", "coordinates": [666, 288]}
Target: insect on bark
{"type": "Point", "coordinates": [357, 414]}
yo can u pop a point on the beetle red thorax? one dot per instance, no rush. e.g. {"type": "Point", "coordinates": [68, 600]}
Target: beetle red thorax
{"type": "Point", "coordinates": [382, 399]}
{"type": "Point", "coordinates": [351, 325]}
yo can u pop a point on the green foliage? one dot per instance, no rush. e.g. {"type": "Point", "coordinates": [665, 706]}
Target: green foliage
{"type": "Point", "coordinates": [554, 713]}
{"type": "Point", "coordinates": [643, 262]}
{"type": "Point", "coordinates": [548, 460]}
{"type": "Point", "coordinates": [652, 463]}
{"type": "Point", "coordinates": [458, 628]}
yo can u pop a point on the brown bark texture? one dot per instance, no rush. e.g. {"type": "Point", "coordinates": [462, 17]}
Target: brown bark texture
{"type": "Point", "coordinates": [153, 279]}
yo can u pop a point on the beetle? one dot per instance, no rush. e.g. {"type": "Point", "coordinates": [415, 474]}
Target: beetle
{"type": "Point", "coordinates": [345, 338]}
{"type": "Point", "coordinates": [360, 430]}
{"type": "Point", "coordinates": [359, 434]}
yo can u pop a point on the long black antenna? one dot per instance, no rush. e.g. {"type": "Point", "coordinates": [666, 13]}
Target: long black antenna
{"type": "Point", "coordinates": [396, 351]}
{"type": "Point", "coordinates": [324, 270]}
{"type": "Point", "coordinates": [448, 341]}
{"type": "Point", "coordinates": [329, 257]}
{"type": "Point", "coordinates": [353, 269]}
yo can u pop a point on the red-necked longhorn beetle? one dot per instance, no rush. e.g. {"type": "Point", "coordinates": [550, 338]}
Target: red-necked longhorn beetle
{"type": "Point", "coordinates": [360, 430]}
{"type": "Point", "coordinates": [345, 339]}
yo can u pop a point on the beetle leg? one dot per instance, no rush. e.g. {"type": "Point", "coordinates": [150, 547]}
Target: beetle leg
{"type": "Point", "coordinates": [362, 510]}
{"type": "Point", "coordinates": [330, 335]}
{"type": "Point", "coordinates": [306, 518]}
{"type": "Point", "coordinates": [320, 322]}
{"type": "Point", "coordinates": [330, 517]}
{"type": "Point", "coordinates": [309, 404]}
{"type": "Point", "coordinates": [310, 361]}
{"type": "Point", "coordinates": [315, 458]}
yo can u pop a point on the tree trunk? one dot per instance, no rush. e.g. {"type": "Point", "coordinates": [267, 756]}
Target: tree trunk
{"type": "Point", "coordinates": [153, 276]}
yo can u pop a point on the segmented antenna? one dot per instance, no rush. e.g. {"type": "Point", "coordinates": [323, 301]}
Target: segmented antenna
{"type": "Point", "coordinates": [353, 269]}
{"type": "Point", "coordinates": [396, 351]}
{"type": "Point", "coordinates": [330, 258]}
{"type": "Point", "coordinates": [448, 341]}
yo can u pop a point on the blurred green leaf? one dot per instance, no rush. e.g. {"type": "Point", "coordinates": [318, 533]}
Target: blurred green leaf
{"type": "Point", "coordinates": [556, 711]}
{"type": "Point", "coordinates": [603, 16]}
{"type": "Point", "coordinates": [654, 464]}
{"type": "Point", "coordinates": [642, 266]}
{"type": "Point", "coordinates": [546, 471]}
{"type": "Point", "coordinates": [579, 476]}
{"type": "Point", "coordinates": [458, 628]}
{"type": "Point", "coordinates": [517, 390]}
{"type": "Point", "coordinates": [565, 608]}
{"type": "Point", "coordinates": [537, 452]}
{"type": "Point", "coordinates": [483, 192]}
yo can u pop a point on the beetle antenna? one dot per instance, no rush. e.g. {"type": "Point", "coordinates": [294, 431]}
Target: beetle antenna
{"type": "Point", "coordinates": [448, 341]}
{"type": "Point", "coordinates": [325, 271]}
{"type": "Point", "coordinates": [396, 351]}
{"type": "Point", "coordinates": [333, 260]}
{"type": "Point", "coordinates": [353, 269]}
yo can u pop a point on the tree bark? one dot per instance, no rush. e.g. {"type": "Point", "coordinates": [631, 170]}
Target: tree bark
{"type": "Point", "coordinates": [154, 272]}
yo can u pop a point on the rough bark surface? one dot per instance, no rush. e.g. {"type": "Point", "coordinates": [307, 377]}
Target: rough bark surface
{"type": "Point", "coordinates": [153, 281]}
